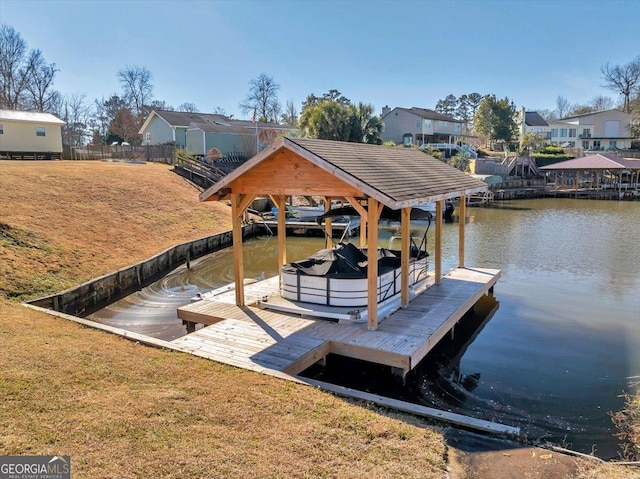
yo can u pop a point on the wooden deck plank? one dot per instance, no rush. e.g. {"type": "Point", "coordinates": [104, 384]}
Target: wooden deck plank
{"type": "Point", "coordinates": [260, 338]}
{"type": "Point", "coordinates": [238, 356]}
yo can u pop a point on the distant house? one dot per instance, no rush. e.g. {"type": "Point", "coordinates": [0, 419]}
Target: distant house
{"type": "Point", "coordinates": [198, 132]}
{"type": "Point", "coordinates": [231, 140]}
{"type": "Point", "coordinates": [30, 135]}
{"type": "Point", "coordinates": [602, 130]}
{"type": "Point", "coordinates": [415, 126]}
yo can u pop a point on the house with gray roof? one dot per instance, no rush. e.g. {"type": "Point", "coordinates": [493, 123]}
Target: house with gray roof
{"type": "Point", "coordinates": [416, 126]}
{"type": "Point", "coordinates": [196, 133]}
{"type": "Point", "coordinates": [599, 130]}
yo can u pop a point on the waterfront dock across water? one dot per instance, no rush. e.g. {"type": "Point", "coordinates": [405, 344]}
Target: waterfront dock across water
{"type": "Point", "coordinates": [312, 228]}
{"type": "Point", "coordinates": [258, 339]}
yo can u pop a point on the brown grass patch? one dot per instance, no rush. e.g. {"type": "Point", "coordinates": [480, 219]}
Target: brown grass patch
{"type": "Point", "coordinates": [124, 410]}
{"type": "Point", "coordinates": [62, 223]}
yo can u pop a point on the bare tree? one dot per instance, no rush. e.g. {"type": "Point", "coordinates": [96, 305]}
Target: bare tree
{"type": "Point", "coordinates": [14, 75]}
{"type": "Point", "coordinates": [138, 90]}
{"type": "Point", "coordinates": [290, 115]}
{"type": "Point", "coordinates": [75, 111]}
{"type": "Point", "coordinates": [548, 114]}
{"type": "Point", "coordinates": [623, 79]}
{"type": "Point", "coordinates": [262, 99]}
{"type": "Point", "coordinates": [159, 105]}
{"type": "Point", "coordinates": [188, 107]}
{"type": "Point", "coordinates": [563, 107]}
{"type": "Point", "coordinates": [601, 103]}
{"type": "Point", "coordinates": [40, 85]}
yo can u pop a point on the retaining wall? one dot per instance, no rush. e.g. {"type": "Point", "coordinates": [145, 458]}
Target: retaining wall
{"type": "Point", "coordinates": [97, 293]}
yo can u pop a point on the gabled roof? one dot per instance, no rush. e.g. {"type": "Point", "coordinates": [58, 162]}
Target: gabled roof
{"type": "Point", "coordinates": [591, 114]}
{"type": "Point", "coordinates": [598, 161]}
{"type": "Point", "coordinates": [433, 115]}
{"type": "Point", "coordinates": [182, 119]}
{"type": "Point", "coordinates": [426, 113]}
{"type": "Point", "coordinates": [533, 118]}
{"type": "Point", "coordinates": [30, 116]}
{"type": "Point", "coordinates": [220, 127]}
{"type": "Point", "coordinates": [185, 118]}
{"type": "Point", "coordinates": [397, 177]}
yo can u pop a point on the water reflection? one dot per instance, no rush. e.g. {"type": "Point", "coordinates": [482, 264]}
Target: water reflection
{"type": "Point", "coordinates": [555, 356]}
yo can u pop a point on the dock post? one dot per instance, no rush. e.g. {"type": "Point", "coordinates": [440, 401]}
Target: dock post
{"type": "Point", "coordinates": [462, 206]}
{"type": "Point", "coordinates": [191, 327]}
{"type": "Point", "coordinates": [438, 261]}
{"type": "Point", "coordinates": [400, 375]}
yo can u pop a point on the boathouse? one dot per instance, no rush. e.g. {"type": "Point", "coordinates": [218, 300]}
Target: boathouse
{"type": "Point", "coordinates": [369, 178]}
{"type": "Point", "coordinates": [598, 175]}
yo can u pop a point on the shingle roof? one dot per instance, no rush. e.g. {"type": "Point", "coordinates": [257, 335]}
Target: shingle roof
{"type": "Point", "coordinates": [183, 118]}
{"type": "Point", "coordinates": [30, 116]}
{"type": "Point", "coordinates": [431, 115]}
{"type": "Point", "coordinates": [598, 161]}
{"type": "Point", "coordinates": [221, 127]}
{"type": "Point", "coordinates": [588, 114]}
{"type": "Point", "coordinates": [397, 177]}
{"type": "Point", "coordinates": [533, 118]}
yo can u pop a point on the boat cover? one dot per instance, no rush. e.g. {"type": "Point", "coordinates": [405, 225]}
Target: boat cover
{"type": "Point", "coordinates": [345, 261]}
{"type": "Point", "coordinates": [387, 214]}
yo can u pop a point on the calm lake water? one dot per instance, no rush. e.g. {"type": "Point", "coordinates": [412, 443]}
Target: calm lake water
{"type": "Point", "coordinates": [552, 353]}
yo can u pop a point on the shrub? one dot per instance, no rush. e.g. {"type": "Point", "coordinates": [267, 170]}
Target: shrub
{"type": "Point", "coordinates": [550, 154]}
{"type": "Point", "coordinates": [185, 154]}
{"type": "Point", "coordinates": [459, 161]}
{"type": "Point", "coordinates": [437, 154]}
{"type": "Point", "coordinates": [627, 422]}
{"type": "Point", "coordinates": [213, 154]}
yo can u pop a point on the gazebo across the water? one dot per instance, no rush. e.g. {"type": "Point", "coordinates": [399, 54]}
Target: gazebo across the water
{"type": "Point", "coordinates": [595, 172]}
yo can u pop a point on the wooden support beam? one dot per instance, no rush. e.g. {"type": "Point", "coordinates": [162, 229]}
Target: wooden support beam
{"type": "Point", "coordinates": [281, 203]}
{"type": "Point", "coordinates": [245, 201]}
{"type": "Point", "coordinates": [328, 224]}
{"type": "Point", "coordinates": [363, 219]}
{"type": "Point", "coordinates": [438, 260]}
{"type": "Point", "coordinates": [462, 214]}
{"type": "Point", "coordinates": [238, 262]}
{"type": "Point", "coordinates": [363, 232]}
{"type": "Point", "coordinates": [405, 256]}
{"type": "Point", "coordinates": [372, 263]}
{"type": "Point", "coordinates": [362, 211]}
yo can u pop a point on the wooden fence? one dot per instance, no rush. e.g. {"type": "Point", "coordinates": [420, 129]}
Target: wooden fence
{"type": "Point", "coordinates": [156, 153]}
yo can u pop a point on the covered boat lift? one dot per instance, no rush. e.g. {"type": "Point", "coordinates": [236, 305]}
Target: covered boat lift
{"type": "Point", "coordinates": [368, 177]}
{"type": "Point", "coordinates": [593, 173]}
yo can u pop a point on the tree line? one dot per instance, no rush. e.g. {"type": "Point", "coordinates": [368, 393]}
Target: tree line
{"type": "Point", "coordinates": [27, 83]}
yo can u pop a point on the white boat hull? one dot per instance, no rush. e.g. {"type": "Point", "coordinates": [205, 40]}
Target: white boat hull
{"type": "Point", "coordinates": [347, 292]}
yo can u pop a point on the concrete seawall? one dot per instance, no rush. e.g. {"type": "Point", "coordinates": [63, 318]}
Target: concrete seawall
{"type": "Point", "coordinates": [97, 293]}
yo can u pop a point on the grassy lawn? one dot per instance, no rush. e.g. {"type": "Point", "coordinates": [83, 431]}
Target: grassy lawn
{"type": "Point", "coordinates": [125, 410]}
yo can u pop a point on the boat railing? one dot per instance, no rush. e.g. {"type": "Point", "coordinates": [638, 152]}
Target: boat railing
{"type": "Point", "coordinates": [392, 286]}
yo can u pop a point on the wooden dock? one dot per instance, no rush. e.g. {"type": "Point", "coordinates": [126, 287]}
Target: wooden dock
{"type": "Point", "coordinates": [311, 228]}
{"type": "Point", "coordinates": [257, 339]}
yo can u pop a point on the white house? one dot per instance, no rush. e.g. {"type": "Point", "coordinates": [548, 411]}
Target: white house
{"type": "Point", "coordinates": [602, 130]}
{"type": "Point", "coordinates": [30, 135]}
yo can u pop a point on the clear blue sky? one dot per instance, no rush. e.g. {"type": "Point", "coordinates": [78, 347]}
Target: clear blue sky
{"type": "Point", "coordinates": [402, 53]}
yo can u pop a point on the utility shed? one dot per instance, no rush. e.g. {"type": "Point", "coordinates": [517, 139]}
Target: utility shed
{"type": "Point", "coordinates": [30, 135]}
{"type": "Point", "coordinates": [367, 176]}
